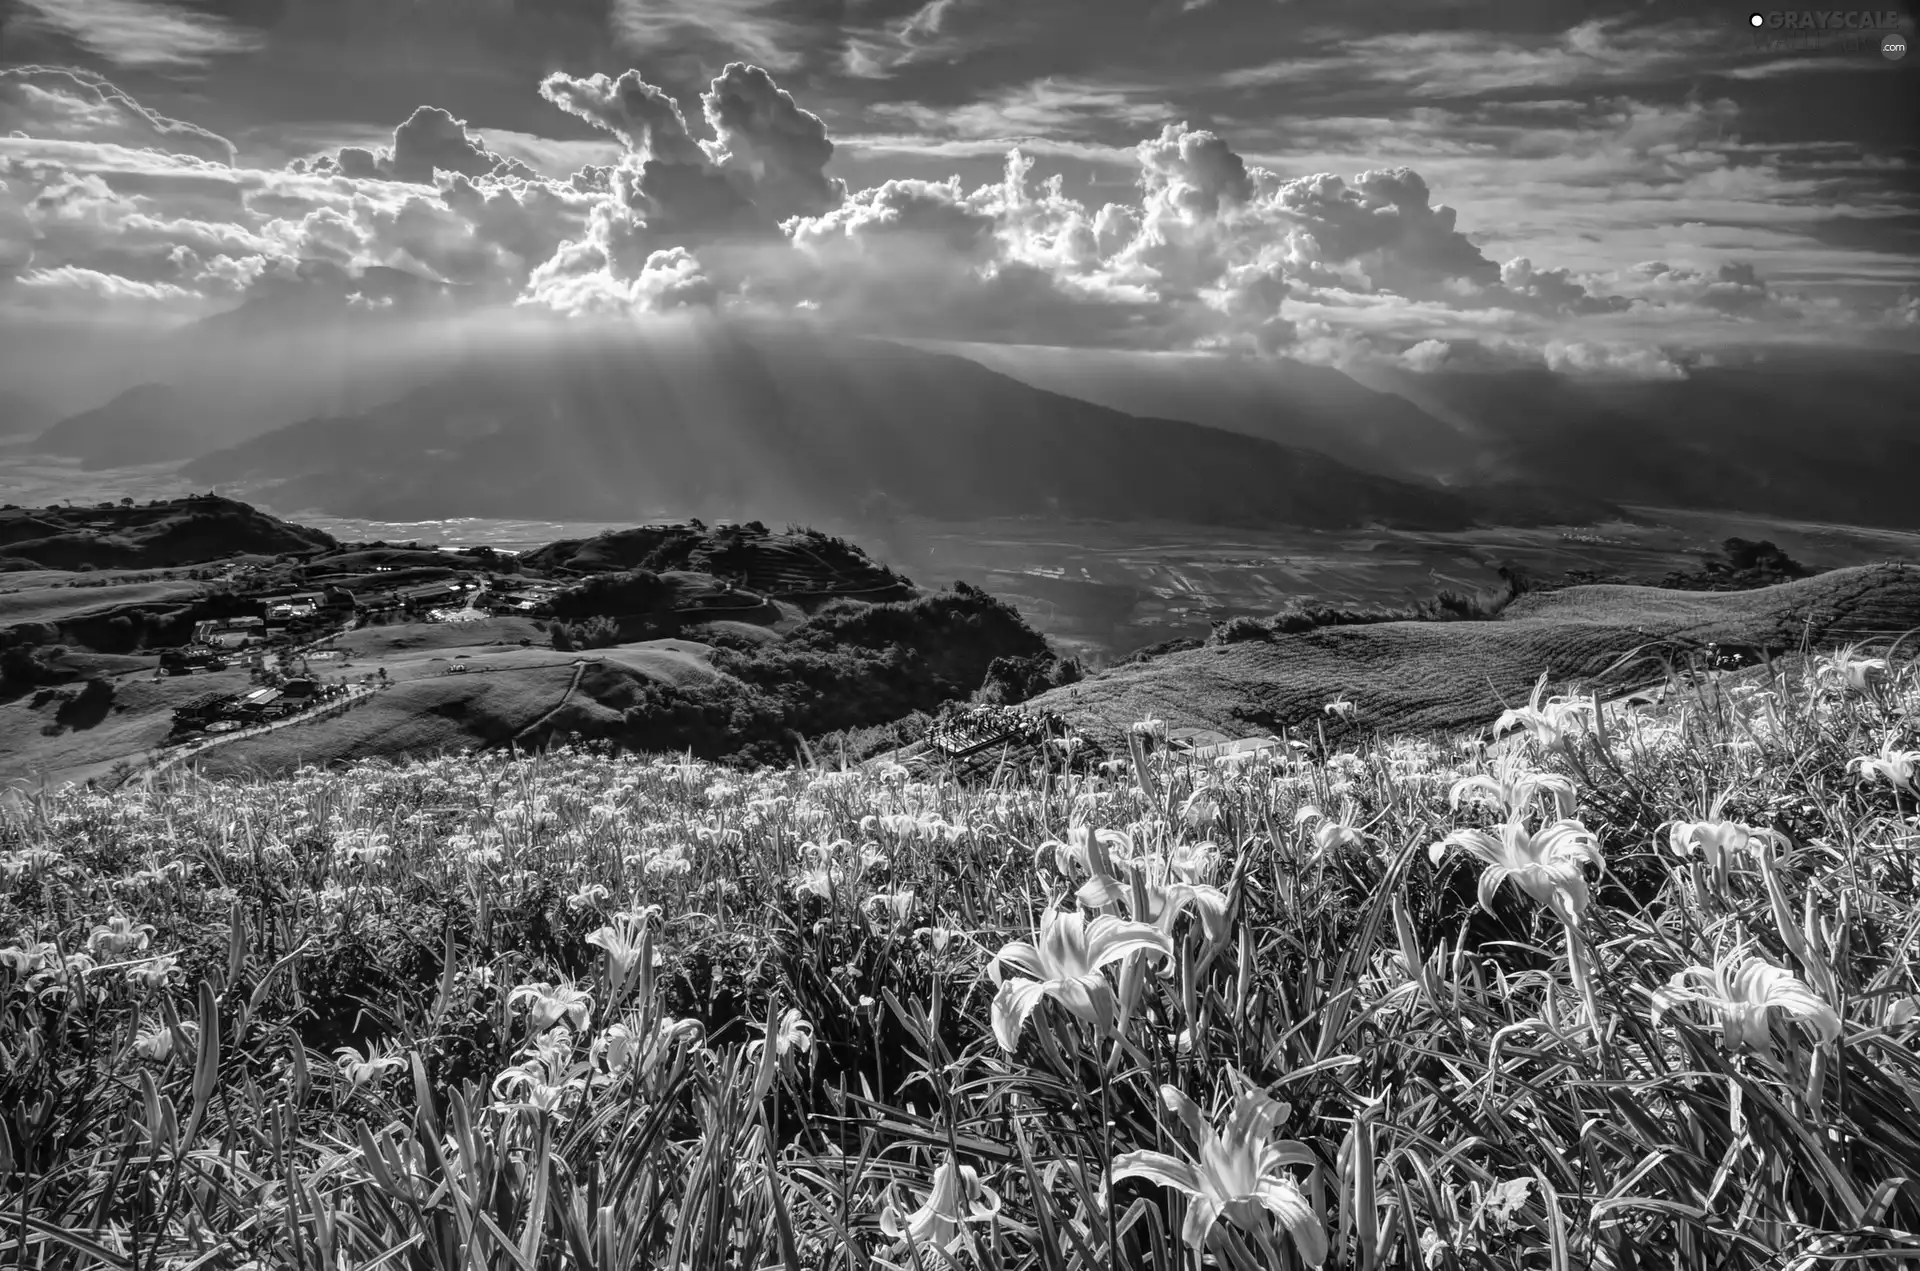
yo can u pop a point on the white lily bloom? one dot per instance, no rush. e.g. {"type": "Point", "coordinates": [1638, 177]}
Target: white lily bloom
{"type": "Point", "coordinates": [1236, 1174]}
{"type": "Point", "coordinates": [1548, 864]}
{"type": "Point", "coordinates": [1512, 786]}
{"type": "Point", "coordinates": [1717, 841]}
{"type": "Point", "coordinates": [958, 1196]}
{"type": "Point", "coordinates": [550, 1003]}
{"type": "Point", "coordinates": [1065, 963]}
{"type": "Point", "coordinates": [1895, 767]}
{"type": "Point", "coordinates": [1549, 723]}
{"type": "Point", "coordinates": [1739, 989]}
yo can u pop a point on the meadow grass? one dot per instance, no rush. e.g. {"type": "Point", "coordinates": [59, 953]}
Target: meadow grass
{"type": "Point", "coordinates": [1640, 993]}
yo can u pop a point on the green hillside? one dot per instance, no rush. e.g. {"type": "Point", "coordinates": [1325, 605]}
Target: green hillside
{"type": "Point", "coordinates": [1452, 676]}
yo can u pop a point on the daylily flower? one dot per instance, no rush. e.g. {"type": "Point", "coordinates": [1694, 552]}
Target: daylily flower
{"type": "Point", "coordinates": [958, 1196]}
{"type": "Point", "coordinates": [1740, 989]}
{"type": "Point", "coordinates": [1895, 767]}
{"type": "Point", "coordinates": [1065, 963]}
{"type": "Point", "coordinates": [1236, 1174]}
{"type": "Point", "coordinates": [625, 942]}
{"type": "Point", "coordinates": [590, 896]}
{"type": "Point", "coordinates": [119, 935]}
{"type": "Point", "coordinates": [1547, 864]}
{"type": "Point", "coordinates": [1149, 727]}
{"type": "Point", "coordinates": [1344, 709]}
{"type": "Point", "coordinates": [1549, 724]}
{"type": "Point", "coordinates": [1090, 852]}
{"type": "Point", "coordinates": [1162, 887]}
{"type": "Point", "coordinates": [1718, 841]}
{"type": "Point", "coordinates": [632, 1045]}
{"type": "Point", "coordinates": [155, 973]}
{"type": "Point", "coordinates": [544, 1077]}
{"type": "Point", "coordinates": [550, 1003]}
{"type": "Point", "coordinates": [1511, 787]}
{"type": "Point", "coordinates": [1331, 832]}
{"type": "Point", "coordinates": [792, 1034]}
{"type": "Point", "coordinates": [1855, 672]}
{"type": "Point", "coordinates": [22, 962]}
{"type": "Point", "coordinates": [895, 904]}
{"type": "Point", "coordinates": [369, 1068]}
{"type": "Point", "coordinates": [155, 1039]}
{"type": "Point", "coordinates": [1201, 809]}
{"type": "Point", "coordinates": [790, 1037]}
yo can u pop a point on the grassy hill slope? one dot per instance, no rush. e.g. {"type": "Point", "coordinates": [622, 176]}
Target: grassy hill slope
{"type": "Point", "coordinates": [1415, 677]}
{"type": "Point", "coordinates": [151, 535]}
{"type": "Point", "coordinates": [524, 695]}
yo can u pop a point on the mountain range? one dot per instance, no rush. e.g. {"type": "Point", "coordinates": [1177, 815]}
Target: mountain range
{"type": "Point", "coordinates": [1822, 435]}
{"type": "Point", "coordinates": [381, 394]}
{"type": "Point", "coordinates": [713, 418]}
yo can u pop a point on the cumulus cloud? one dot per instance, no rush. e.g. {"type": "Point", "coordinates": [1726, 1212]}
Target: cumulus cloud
{"type": "Point", "coordinates": [764, 164]}
{"type": "Point", "coordinates": [778, 150]}
{"type": "Point", "coordinates": [733, 207]}
{"type": "Point", "coordinates": [178, 227]}
{"type": "Point", "coordinates": [1734, 288]}
{"type": "Point", "coordinates": [1582, 359]}
{"type": "Point", "coordinates": [431, 140]}
{"type": "Point", "coordinates": [1552, 291]}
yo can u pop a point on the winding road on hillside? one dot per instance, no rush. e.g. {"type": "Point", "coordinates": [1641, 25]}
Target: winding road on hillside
{"type": "Point", "coordinates": [167, 761]}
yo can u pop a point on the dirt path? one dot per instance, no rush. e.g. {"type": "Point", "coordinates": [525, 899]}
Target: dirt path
{"type": "Point", "coordinates": [579, 668]}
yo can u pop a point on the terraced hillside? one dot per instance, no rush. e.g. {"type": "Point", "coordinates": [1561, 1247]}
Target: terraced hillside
{"type": "Point", "coordinates": [1455, 676]}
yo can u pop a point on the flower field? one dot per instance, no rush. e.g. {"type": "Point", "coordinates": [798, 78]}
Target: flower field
{"type": "Point", "coordinates": [1642, 991]}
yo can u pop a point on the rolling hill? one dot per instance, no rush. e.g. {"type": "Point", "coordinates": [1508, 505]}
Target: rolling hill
{"type": "Point", "coordinates": [1451, 676]}
{"type": "Point", "coordinates": [574, 423]}
{"type": "Point", "coordinates": [152, 535]}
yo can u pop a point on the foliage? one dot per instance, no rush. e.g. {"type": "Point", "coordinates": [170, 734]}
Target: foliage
{"type": "Point", "coordinates": [1384, 1010]}
{"type": "Point", "coordinates": [637, 591]}
{"type": "Point", "coordinates": [1297, 615]}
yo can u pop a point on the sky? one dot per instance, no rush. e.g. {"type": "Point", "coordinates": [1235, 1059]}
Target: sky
{"type": "Point", "coordinates": [1605, 189]}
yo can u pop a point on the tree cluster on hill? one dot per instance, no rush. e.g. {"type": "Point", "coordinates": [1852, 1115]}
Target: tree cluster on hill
{"type": "Point", "coordinates": [852, 666]}
{"type": "Point", "coordinates": [1740, 565]}
{"type": "Point", "coordinates": [632, 592]}
{"type": "Point", "coordinates": [1297, 616]}
{"type": "Point", "coordinates": [24, 668]}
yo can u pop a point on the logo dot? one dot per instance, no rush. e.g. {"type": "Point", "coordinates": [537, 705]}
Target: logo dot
{"type": "Point", "coordinates": [1758, 19]}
